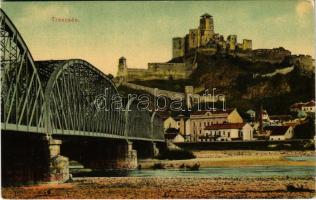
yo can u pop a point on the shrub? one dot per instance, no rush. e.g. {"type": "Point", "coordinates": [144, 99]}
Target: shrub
{"type": "Point", "coordinates": [176, 154]}
{"type": "Point", "coordinates": [158, 166]}
{"type": "Point", "coordinates": [194, 167]}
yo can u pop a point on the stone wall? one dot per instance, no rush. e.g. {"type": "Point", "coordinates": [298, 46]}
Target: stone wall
{"type": "Point", "coordinates": [153, 91]}
{"type": "Point", "coordinates": [306, 62]}
{"type": "Point", "coordinates": [275, 55]}
{"type": "Point", "coordinates": [178, 47]}
{"type": "Point", "coordinates": [158, 71]}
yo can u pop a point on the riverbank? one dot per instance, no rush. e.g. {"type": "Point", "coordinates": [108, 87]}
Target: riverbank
{"type": "Point", "coordinates": [235, 158]}
{"type": "Point", "coordinates": [155, 187]}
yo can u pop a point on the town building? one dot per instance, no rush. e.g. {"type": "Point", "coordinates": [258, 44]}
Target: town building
{"type": "Point", "coordinates": [252, 114]}
{"type": "Point", "coordinates": [280, 119]}
{"type": "Point", "coordinates": [192, 125]}
{"type": "Point", "coordinates": [265, 116]}
{"type": "Point", "coordinates": [227, 132]}
{"type": "Point", "coordinates": [173, 135]}
{"type": "Point", "coordinates": [170, 122]}
{"type": "Point", "coordinates": [198, 120]}
{"type": "Point", "coordinates": [307, 107]}
{"type": "Point", "coordinates": [279, 132]}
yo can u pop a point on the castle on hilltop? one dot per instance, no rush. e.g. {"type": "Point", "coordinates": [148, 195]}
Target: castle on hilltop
{"type": "Point", "coordinates": [204, 39]}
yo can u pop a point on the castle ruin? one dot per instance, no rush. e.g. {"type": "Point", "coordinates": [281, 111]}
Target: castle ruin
{"type": "Point", "coordinates": [204, 40]}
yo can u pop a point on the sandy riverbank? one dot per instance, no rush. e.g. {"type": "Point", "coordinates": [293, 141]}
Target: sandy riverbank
{"type": "Point", "coordinates": [185, 187]}
{"type": "Point", "coordinates": [236, 158]}
{"type": "Point", "coordinates": [151, 187]}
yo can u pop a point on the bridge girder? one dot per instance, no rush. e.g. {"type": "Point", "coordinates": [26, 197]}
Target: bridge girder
{"type": "Point", "coordinates": [59, 97]}
{"type": "Point", "coordinates": [22, 97]}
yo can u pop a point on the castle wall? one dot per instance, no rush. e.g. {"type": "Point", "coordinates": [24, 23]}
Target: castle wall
{"type": "Point", "coordinates": [275, 55]}
{"type": "Point", "coordinates": [305, 61]}
{"type": "Point", "coordinates": [154, 91]}
{"type": "Point", "coordinates": [178, 47]}
{"type": "Point", "coordinates": [272, 56]}
{"type": "Point", "coordinates": [208, 51]}
{"type": "Point", "coordinates": [158, 71]}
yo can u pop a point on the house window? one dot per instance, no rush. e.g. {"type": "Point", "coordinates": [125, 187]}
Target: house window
{"type": "Point", "coordinates": [228, 134]}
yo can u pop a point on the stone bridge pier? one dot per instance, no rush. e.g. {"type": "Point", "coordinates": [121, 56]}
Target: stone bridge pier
{"type": "Point", "coordinates": [31, 158]}
{"type": "Point", "coordinates": [148, 149]}
{"type": "Point", "coordinates": [100, 153]}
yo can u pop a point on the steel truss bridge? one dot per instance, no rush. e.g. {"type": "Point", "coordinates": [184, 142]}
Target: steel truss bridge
{"type": "Point", "coordinates": [59, 97]}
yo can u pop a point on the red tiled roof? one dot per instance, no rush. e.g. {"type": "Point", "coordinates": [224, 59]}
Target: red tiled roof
{"type": "Point", "coordinates": [225, 126]}
{"type": "Point", "coordinates": [276, 130]}
{"type": "Point", "coordinates": [297, 105]}
{"type": "Point", "coordinates": [310, 104]}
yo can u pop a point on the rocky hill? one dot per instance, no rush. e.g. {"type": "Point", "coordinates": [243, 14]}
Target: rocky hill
{"type": "Point", "coordinates": [250, 79]}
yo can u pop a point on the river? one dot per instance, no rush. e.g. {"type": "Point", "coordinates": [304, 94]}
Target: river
{"type": "Point", "coordinates": [225, 172]}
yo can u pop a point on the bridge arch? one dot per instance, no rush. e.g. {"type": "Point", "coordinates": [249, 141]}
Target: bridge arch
{"type": "Point", "coordinates": [22, 96]}
{"type": "Point", "coordinates": [71, 89]}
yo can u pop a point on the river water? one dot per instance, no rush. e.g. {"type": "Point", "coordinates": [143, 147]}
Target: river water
{"type": "Point", "coordinates": [248, 171]}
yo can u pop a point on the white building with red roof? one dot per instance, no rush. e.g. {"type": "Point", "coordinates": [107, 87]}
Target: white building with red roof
{"type": "Point", "coordinates": [198, 120]}
{"type": "Point", "coordinates": [228, 132]}
{"type": "Point", "coordinates": [308, 107]}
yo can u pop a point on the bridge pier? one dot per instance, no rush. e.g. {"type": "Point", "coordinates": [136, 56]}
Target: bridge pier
{"type": "Point", "coordinates": [58, 170]}
{"type": "Point", "coordinates": [155, 149]}
{"type": "Point", "coordinates": [126, 157]}
{"type": "Point", "coordinates": [31, 159]}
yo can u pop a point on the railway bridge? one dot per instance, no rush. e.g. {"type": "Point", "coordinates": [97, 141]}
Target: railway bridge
{"type": "Point", "coordinates": [59, 110]}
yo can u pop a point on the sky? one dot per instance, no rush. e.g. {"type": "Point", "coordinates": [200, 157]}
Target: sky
{"type": "Point", "coordinates": [142, 31]}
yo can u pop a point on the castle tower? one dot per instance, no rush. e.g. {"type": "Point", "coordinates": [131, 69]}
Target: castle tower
{"type": "Point", "coordinates": [246, 44]}
{"type": "Point", "coordinates": [178, 47]}
{"type": "Point", "coordinates": [122, 67]}
{"type": "Point", "coordinates": [206, 29]}
{"type": "Point", "coordinates": [232, 42]}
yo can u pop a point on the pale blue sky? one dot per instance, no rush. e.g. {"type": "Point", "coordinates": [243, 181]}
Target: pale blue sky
{"type": "Point", "coordinates": [142, 31]}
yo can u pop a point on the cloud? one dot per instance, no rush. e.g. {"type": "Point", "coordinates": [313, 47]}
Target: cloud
{"type": "Point", "coordinates": [304, 7]}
